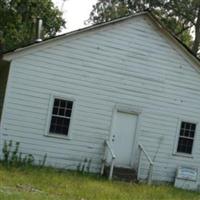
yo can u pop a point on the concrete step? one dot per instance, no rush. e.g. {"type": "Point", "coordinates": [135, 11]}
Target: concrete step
{"type": "Point", "coordinates": [122, 174]}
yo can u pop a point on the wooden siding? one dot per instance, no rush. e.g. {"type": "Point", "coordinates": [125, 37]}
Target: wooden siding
{"type": "Point", "coordinates": [130, 63]}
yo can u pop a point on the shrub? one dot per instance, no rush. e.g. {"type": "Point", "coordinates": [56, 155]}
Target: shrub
{"type": "Point", "coordinates": [12, 156]}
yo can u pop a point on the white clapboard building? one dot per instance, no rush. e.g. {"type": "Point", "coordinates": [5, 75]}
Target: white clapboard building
{"type": "Point", "coordinates": [124, 93]}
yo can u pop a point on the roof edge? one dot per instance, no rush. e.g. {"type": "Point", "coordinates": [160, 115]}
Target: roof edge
{"type": "Point", "coordinates": [62, 36]}
{"type": "Point", "coordinates": [173, 37]}
{"type": "Point", "coordinates": [10, 54]}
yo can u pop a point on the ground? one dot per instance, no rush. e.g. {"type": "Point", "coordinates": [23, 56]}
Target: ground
{"type": "Point", "coordinates": [42, 184]}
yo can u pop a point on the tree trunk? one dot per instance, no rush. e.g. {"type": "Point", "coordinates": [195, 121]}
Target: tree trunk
{"type": "Point", "coordinates": [195, 46]}
{"type": "Point", "coordinates": [1, 49]}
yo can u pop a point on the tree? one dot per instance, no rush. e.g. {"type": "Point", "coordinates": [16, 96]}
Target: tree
{"type": "Point", "coordinates": [178, 16]}
{"type": "Point", "coordinates": [18, 21]}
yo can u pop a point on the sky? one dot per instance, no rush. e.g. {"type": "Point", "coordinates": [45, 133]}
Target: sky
{"type": "Point", "coordinates": [75, 12]}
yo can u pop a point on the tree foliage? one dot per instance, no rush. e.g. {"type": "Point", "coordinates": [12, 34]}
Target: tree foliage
{"type": "Point", "coordinates": [179, 16]}
{"type": "Point", "coordinates": [18, 21]}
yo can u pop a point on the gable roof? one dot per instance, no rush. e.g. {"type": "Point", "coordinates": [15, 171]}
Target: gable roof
{"type": "Point", "coordinates": [10, 54]}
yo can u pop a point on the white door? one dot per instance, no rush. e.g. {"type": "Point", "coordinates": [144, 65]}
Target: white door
{"type": "Point", "coordinates": [122, 137]}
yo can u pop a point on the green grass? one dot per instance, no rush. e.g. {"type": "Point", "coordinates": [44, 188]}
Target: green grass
{"type": "Point", "coordinates": [46, 183]}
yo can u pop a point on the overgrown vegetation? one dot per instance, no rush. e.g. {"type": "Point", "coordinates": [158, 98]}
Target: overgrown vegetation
{"type": "Point", "coordinates": [18, 21]}
{"type": "Point", "coordinates": [12, 157]}
{"type": "Point", "coordinates": [46, 183]}
{"type": "Point", "coordinates": [20, 179]}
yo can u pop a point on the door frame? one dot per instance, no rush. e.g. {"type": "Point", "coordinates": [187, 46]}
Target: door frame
{"type": "Point", "coordinates": [129, 110]}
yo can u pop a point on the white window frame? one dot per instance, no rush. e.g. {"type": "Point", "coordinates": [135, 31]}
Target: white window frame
{"type": "Point", "coordinates": [49, 116]}
{"type": "Point", "coordinates": [175, 153]}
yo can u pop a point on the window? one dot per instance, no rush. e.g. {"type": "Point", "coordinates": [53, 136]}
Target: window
{"type": "Point", "coordinates": [186, 137]}
{"type": "Point", "coordinates": [61, 115]}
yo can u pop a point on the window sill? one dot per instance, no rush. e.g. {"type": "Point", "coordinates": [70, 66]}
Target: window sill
{"type": "Point", "coordinates": [183, 155]}
{"type": "Point", "coordinates": [59, 136]}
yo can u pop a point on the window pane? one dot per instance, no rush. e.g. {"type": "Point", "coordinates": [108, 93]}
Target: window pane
{"type": "Point", "coordinates": [69, 104]}
{"type": "Point", "coordinates": [183, 125]}
{"type": "Point", "coordinates": [61, 112]}
{"type": "Point", "coordinates": [56, 102]}
{"type": "Point", "coordinates": [185, 145]}
{"type": "Point", "coordinates": [53, 124]}
{"type": "Point", "coordinates": [55, 110]}
{"type": "Point", "coordinates": [185, 133]}
{"type": "Point", "coordinates": [68, 113]}
{"type": "Point", "coordinates": [191, 134]}
{"type": "Point", "coordinates": [63, 104]}
{"type": "Point", "coordinates": [59, 125]}
{"type": "Point", "coordinates": [187, 125]}
{"type": "Point", "coordinates": [193, 127]}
